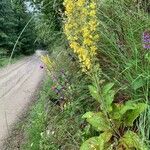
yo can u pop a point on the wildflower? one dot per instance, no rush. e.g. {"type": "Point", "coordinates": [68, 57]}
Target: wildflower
{"type": "Point", "coordinates": [87, 41]}
{"type": "Point", "coordinates": [80, 29]}
{"type": "Point", "coordinates": [92, 13]}
{"type": "Point", "coordinates": [93, 49]}
{"type": "Point", "coordinates": [80, 3]}
{"type": "Point", "coordinates": [93, 5]}
{"type": "Point", "coordinates": [41, 67]}
{"type": "Point", "coordinates": [46, 60]}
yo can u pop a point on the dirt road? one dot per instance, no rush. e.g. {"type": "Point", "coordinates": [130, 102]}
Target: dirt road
{"type": "Point", "coordinates": [18, 83]}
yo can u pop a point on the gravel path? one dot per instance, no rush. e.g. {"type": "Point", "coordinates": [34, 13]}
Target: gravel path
{"type": "Point", "coordinates": [18, 83]}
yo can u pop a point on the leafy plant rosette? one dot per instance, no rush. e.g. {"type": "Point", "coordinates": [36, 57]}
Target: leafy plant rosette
{"type": "Point", "coordinates": [114, 122]}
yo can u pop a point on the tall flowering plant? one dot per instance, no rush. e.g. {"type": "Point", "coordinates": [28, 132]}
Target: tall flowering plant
{"type": "Point", "coordinates": [80, 28]}
{"type": "Point", "coordinates": [61, 85]}
{"type": "Point", "coordinates": [114, 121]}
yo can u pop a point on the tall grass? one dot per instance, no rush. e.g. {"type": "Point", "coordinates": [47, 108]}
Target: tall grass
{"type": "Point", "coordinates": [121, 53]}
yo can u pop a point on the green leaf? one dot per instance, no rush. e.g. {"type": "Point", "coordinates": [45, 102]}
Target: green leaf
{"type": "Point", "coordinates": [90, 144]}
{"type": "Point", "coordinates": [97, 143]}
{"type": "Point", "coordinates": [97, 120]}
{"type": "Point", "coordinates": [147, 56]}
{"type": "Point", "coordinates": [129, 105]}
{"type": "Point", "coordinates": [107, 88]}
{"type": "Point", "coordinates": [120, 109]}
{"type": "Point", "coordinates": [94, 92]}
{"type": "Point", "coordinates": [88, 115]}
{"type": "Point", "coordinates": [131, 115]}
{"type": "Point", "coordinates": [108, 96]}
{"type": "Point", "coordinates": [108, 99]}
{"type": "Point", "coordinates": [131, 140]}
{"type": "Point", "coordinates": [104, 138]}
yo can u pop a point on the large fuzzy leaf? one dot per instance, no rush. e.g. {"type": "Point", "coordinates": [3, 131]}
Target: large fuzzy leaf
{"type": "Point", "coordinates": [97, 120]}
{"type": "Point", "coordinates": [104, 138]}
{"type": "Point", "coordinates": [90, 144]}
{"type": "Point", "coordinates": [128, 112]}
{"type": "Point", "coordinates": [94, 92]}
{"type": "Point", "coordinates": [131, 115]}
{"type": "Point", "coordinates": [97, 143]}
{"type": "Point", "coordinates": [108, 99]}
{"type": "Point", "coordinates": [108, 96]}
{"type": "Point", "coordinates": [120, 109]}
{"type": "Point", "coordinates": [131, 140]}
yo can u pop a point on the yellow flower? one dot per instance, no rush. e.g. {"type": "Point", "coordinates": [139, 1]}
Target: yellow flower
{"type": "Point", "coordinates": [74, 45]}
{"type": "Point", "coordinates": [46, 60]}
{"type": "Point", "coordinates": [87, 41]}
{"type": "Point", "coordinates": [93, 5]}
{"type": "Point", "coordinates": [93, 50]}
{"type": "Point", "coordinates": [88, 63]}
{"type": "Point", "coordinates": [92, 13]}
{"type": "Point", "coordinates": [80, 29]}
{"type": "Point", "coordinates": [80, 3]}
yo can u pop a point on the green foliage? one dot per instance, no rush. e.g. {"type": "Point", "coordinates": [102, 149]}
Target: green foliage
{"type": "Point", "coordinates": [55, 123]}
{"type": "Point", "coordinates": [4, 60]}
{"type": "Point", "coordinates": [130, 140]}
{"type": "Point", "coordinates": [118, 122]}
{"type": "Point", "coordinates": [97, 143]}
{"type": "Point", "coordinates": [7, 26]}
{"type": "Point", "coordinates": [114, 119]}
{"type": "Point", "coordinates": [98, 121]}
{"type": "Point", "coordinates": [37, 121]}
{"type": "Point", "coordinates": [49, 23]}
{"type": "Point", "coordinates": [94, 92]}
{"type": "Point", "coordinates": [13, 18]}
{"type": "Point", "coordinates": [121, 50]}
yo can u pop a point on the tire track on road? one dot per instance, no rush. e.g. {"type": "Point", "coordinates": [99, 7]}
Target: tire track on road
{"type": "Point", "coordinates": [14, 69]}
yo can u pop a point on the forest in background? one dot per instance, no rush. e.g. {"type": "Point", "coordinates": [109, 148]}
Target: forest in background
{"type": "Point", "coordinates": [14, 16]}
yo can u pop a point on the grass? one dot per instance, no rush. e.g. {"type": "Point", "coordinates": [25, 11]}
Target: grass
{"type": "Point", "coordinates": [4, 61]}
{"type": "Point", "coordinates": [121, 50]}
{"type": "Point", "coordinates": [47, 125]}
{"type": "Point", "coordinates": [51, 126]}
{"type": "Point", "coordinates": [37, 120]}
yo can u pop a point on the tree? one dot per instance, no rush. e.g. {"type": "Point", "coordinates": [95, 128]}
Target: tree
{"type": "Point", "coordinates": [7, 26]}
{"type": "Point", "coordinates": [48, 21]}
{"type": "Point", "coordinates": [26, 42]}
{"type": "Point", "coordinates": [13, 18]}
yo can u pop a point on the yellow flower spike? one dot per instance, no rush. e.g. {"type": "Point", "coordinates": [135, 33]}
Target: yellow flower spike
{"type": "Point", "coordinates": [93, 49]}
{"type": "Point", "coordinates": [47, 61]}
{"type": "Point", "coordinates": [80, 3]}
{"type": "Point", "coordinates": [87, 41]}
{"type": "Point", "coordinates": [93, 5]}
{"type": "Point", "coordinates": [92, 13]}
{"type": "Point", "coordinates": [80, 29]}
